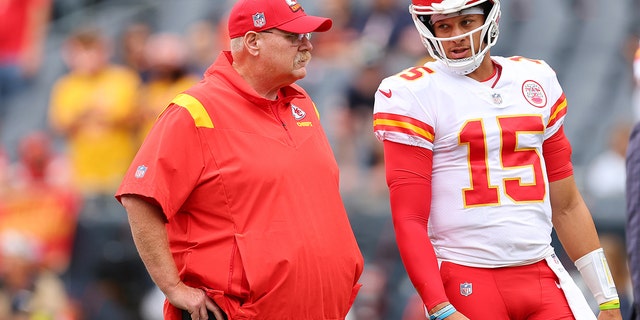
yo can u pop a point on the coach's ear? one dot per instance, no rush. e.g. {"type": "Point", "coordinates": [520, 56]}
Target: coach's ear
{"type": "Point", "coordinates": [251, 41]}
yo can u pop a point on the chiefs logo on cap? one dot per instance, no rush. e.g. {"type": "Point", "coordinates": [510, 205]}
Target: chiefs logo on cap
{"type": "Point", "coordinates": [294, 5]}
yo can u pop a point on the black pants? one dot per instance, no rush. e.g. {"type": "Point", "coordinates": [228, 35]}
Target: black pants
{"type": "Point", "coordinates": [187, 316]}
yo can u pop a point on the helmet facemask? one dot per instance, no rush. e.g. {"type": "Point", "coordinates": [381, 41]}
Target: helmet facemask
{"type": "Point", "coordinates": [489, 35]}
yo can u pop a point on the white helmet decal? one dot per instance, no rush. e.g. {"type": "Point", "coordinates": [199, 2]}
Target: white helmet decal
{"type": "Point", "coordinates": [447, 5]}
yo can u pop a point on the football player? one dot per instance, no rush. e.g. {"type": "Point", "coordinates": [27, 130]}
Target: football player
{"type": "Point", "coordinates": [479, 172]}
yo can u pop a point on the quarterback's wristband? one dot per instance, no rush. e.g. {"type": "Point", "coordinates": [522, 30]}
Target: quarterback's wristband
{"type": "Point", "coordinates": [443, 313]}
{"type": "Point", "coordinates": [596, 274]}
{"type": "Point", "coordinates": [613, 304]}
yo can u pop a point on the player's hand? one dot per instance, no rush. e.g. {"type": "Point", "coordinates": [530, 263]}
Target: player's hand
{"type": "Point", "coordinates": [613, 314]}
{"type": "Point", "coordinates": [194, 301]}
{"type": "Point", "coordinates": [454, 316]}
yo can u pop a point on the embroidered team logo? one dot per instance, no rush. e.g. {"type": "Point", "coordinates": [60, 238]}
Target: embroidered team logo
{"type": "Point", "coordinates": [297, 113]}
{"type": "Point", "coordinates": [259, 20]}
{"type": "Point", "coordinates": [466, 289]}
{"type": "Point", "coordinates": [293, 4]}
{"type": "Point", "coordinates": [534, 93]}
{"type": "Point", "coordinates": [140, 171]}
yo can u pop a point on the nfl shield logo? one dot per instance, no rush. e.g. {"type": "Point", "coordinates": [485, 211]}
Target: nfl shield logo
{"type": "Point", "coordinates": [466, 289]}
{"type": "Point", "coordinates": [140, 171]}
{"type": "Point", "coordinates": [259, 20]}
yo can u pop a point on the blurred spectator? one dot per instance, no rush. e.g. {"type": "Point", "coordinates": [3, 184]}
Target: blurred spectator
{"type": "Point", "coordinates": [4, 169]}
{"type": "Point", "coordinates": [92, 109]}
{"type": "Point", "coordinates": [605, 180]}
{"type": "Point", "coordinates": [356, 149]}
{"type": "Point", "coordinates": [204, 42]}
{"type": "Point", "coordinates": [407, 52]}
{"type": "Point", "coordinates": [166, 55]}
{"type": "Point", "coordinates": [23, 30]}
{"type": "Point", "coordinates": [606, 174]}
{"type": "Point", "coordinates": [132, 42]}
{"type": "Point", "coordinates": [414, 309]}
{"type": "Point", "coordinates": [39, 164]}
{"type": "Point", "coordinates": [380, 26]}
{"type": "Point", "coordinates": [371, 303]}
{"type": "Point", "coordinates": [336, 47]}
{"type": "Point", "coordinates": [39, 203]}
{"type": "Point", "coordinates": [335, 61]}
{"type": "Point", "coordinates": [636, 77]}
{"type": "Point", "coordinates": [636, 66]}
{"type": "Point", "coordinates": [28, 291]}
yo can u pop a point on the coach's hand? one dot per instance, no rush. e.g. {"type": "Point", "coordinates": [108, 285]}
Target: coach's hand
{"type": "Point", "coordinates": [194, 301]}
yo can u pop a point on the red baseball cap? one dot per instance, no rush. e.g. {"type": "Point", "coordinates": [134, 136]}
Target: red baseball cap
{"type": "Point", "coordinates": [286, 15]}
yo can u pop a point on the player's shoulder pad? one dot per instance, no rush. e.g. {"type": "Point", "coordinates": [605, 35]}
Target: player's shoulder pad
{"type": "Point", "coordinates": [404, 84]}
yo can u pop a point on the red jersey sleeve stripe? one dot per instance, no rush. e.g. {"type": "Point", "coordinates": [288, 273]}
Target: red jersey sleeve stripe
{"type": "Point", "coordinates": [195, 108]}
{"type": "Point", "coordinates": [403, 124]}
{"type": "Point", "coordinates": [558, 110]}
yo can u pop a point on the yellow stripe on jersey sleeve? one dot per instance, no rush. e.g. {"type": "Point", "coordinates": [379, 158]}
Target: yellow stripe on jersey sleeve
{"type": "Point", "coordinates": [405, 125]}
{"type": "Point", "coordinates": [558, 110]}
{"type": "Point", "coordinates": [195, 108]}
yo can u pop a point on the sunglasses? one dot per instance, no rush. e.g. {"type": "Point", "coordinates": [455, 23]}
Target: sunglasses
{"type": "Point", "coordinates": [295, 38]}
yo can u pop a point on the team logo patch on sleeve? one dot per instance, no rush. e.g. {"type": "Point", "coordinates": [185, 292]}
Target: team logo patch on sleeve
{"type": "Point", "coordinates": [140, 171]}
{"type": "Point", "coordinates": [534, 93]}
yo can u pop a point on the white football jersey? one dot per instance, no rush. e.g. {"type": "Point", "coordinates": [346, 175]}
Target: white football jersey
{"type": "Point", "coordinates": [490, 195]}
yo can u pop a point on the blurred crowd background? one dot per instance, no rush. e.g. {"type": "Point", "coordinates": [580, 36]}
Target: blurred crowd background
{"type": "Point", "coordinates": [81, 81]}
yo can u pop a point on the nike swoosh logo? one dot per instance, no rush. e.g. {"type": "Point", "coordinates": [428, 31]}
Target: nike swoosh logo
{"type": "Point", "coordinates": [386, 93]}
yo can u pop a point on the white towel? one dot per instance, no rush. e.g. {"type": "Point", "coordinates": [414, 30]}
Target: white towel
{"type": "Point", "coordinates": [578, 304]}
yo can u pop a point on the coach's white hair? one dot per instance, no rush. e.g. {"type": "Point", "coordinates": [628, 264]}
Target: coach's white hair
{"type": "Point", "coordinates": [236, 44]}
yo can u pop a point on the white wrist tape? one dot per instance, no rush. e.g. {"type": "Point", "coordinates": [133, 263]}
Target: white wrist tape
{"type": "Point", "coordinates": [596, 274]}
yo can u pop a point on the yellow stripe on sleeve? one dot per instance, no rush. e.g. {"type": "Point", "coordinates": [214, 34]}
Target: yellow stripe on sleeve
{"type": "Point", "coordinates": [195, 108]}
{"type": "Point", "coordinates": [405, 125]}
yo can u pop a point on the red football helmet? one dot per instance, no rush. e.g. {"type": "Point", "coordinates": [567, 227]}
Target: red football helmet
{"type": "Point", "coordinates": [422, 12]}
